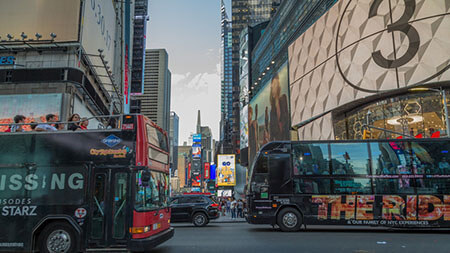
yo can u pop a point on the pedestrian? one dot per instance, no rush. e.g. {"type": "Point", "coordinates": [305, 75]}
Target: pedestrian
{"type": "Point", "coordinates": [223, 203]}
{"type": "Point", "coordinates": [240, 208]}
{"type": "Point", "coordinates": [228, 206]}
{"type": "Point", "coordinates": [75, 118]}
{"type": "Point", "coordinates": [50, 118]}
{"type": "Point", "coordinates": [84, 123]}
{"type": "Point", "coordinates": [233, 209]}
{"type": "Point", "coordinates": [18, 119]}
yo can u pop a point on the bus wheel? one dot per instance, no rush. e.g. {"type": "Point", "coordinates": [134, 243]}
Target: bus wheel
{"type": "Point", "coordinates": [289, 220]}
{"type": "Point", "coordinates": [200, 219]}
{"type": "Point", "coordinates": [58, 237]}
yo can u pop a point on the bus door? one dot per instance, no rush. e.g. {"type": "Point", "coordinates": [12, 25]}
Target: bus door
{"type": "Point", "coordinates": [109, 208]}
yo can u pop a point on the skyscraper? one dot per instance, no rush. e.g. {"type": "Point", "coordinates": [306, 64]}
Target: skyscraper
{"type": "Point", "coordinates": [173, 141]}
{"type": "Point", "coordinates": [244, 13]}
{"type": "Point", "coordinates": [226, 81]}
{"type": "Point", "coordinates": [155, 102]}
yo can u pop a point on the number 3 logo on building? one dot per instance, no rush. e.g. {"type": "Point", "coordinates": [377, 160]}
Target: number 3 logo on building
{"type": "Point", "coordinates": [401, 25]}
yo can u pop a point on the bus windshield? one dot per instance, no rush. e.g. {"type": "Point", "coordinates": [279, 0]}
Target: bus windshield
{"type": "Point", "coordinates": [153, 194]}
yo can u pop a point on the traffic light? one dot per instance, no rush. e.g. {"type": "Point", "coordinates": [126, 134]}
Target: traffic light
{"type": "Point", "coordinates": [367, 135]}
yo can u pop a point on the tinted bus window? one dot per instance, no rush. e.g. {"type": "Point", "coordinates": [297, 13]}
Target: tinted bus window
{"type": "Point", "coordinates": [392, 168]}
{"type": "Point", "coordinates": [350, 159]}
{"type": "Point", "coordinates": [310, 159]}
{"type": "Point", "coordinates": [352, 186]}
{"type": "Point", "coordinates": [312, 185]}
{"type": "Point", "coordinates": [261, 165]}
{"type": "Point", "coordinates": [279, 175]}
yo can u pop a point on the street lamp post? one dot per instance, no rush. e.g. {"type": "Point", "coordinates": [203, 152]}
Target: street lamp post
{"type": "Point", "coordinates": [442, 92]}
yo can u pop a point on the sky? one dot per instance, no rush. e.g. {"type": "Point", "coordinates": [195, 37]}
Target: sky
{"type": "Point", "coordinates": [190, 32]}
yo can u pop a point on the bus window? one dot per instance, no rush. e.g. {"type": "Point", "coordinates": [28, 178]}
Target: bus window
{"type": "Point", "coordinates": [350, 159]}
{"type": "Point", "coordinates": [279, 165]}
{"type": "Point", "coordinates": [119, 207]}
{"type": "Point", "coordinates": [261, 166]}
{"type": "Point", "coordinates": [431, 159]}
{"type": "Point", "coordinates": [312, 186]}
{"type": "Point", "coordinates": [310, 159]}
{"type": "Point", "coordinates": [99, 207]}
{"type": "Point", "coordinates": [145, 196]}
{"type": "Point", "coordinates": [392, 167]}
{"type": "Point", "coordinates": [352, 186]}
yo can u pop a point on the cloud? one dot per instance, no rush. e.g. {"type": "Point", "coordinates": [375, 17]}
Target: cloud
{"type": "Point", "coordinates": [199, 91]}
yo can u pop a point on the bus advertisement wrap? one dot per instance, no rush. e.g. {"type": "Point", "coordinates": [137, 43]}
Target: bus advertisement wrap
{"type": "Point", "coordinates": [226, 170]}
{"type": "Point", "coordinates": [392, 210]}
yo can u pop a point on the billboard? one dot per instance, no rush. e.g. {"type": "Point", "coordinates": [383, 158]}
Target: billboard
{"type": "Point", "coordinates": [244, 127]}
{"type": "Point", "coordinates": [197, 138]}
{"type": "Point", "coordinates": [98, 29]}
{"type": "Point", "coordinates": [224, 193]}
{"type": "Point", "coordinates": [268, 113]}
{"type": "Point", "coordinates": [226, 170]}
{"type": "Point", "coordinates": [206, 171]}
{"type": "Point", "coordinates": [33, 106]}
{"type": "Point", "coordinates": [60, 17]}
{"type": "Point", "coordinates": [196, 172]}
{"type": "Point", "coordinates": [212, 174]}
{"type": "Point", "coordinates": [196, 150]}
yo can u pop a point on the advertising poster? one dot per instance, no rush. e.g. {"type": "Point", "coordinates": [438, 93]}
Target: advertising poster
{"type": "Point", "coordinates": [268, 113]}
{"type": "Point", "coordinates": [196, 150]}
{"type": "Point", "coordinates": [61, 17]}
{"type": "Point", "coordinates": [244, 127]}
{"type": "Point", "coordinates": [226, 170]}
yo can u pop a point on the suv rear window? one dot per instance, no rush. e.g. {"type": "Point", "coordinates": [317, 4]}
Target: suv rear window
{"type": "Point", "coordinates": [192, 199]}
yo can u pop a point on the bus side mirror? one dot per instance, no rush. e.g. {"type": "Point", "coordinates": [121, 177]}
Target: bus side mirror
{"type": "Point", "coordinates": [145, 177]}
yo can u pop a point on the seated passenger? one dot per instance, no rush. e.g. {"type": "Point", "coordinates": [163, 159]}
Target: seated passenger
{"type": "Point", "coordinates": [18, 119]}
{"type": "Point", "coordinates": [50, 118]}
{"type": "Point", "coordinates": [84, 123]}
{"type": "Point", "coordinates": [76, 125]}
{"type": "Point", "coordinates": [59, 126]}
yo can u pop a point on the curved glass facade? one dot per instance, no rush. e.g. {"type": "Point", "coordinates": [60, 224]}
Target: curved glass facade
{"type": "Point", "coordinates": [415, 114]}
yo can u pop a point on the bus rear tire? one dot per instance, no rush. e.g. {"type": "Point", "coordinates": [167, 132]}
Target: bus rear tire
{"type": "Point", "coordinates": [57, 237]}
{"type": "Point", "coordinates": [289, 220]}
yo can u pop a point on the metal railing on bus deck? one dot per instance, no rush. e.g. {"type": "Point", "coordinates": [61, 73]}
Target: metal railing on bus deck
{"type": "Point", "coordinates": [104, 122]}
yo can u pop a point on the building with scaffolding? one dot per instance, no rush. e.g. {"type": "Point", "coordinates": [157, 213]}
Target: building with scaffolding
{"type": "Point", "coordinates": [76, 60]}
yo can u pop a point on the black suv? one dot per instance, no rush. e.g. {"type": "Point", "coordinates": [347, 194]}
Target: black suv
{"type": "Point", "coordinates": [198, 209]}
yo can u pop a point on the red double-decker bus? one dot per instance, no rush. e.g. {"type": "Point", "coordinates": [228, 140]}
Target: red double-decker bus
{"type": "Point", "coordinates": [73, 191]}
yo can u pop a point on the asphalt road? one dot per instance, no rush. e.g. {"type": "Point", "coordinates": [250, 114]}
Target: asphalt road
{"type": "Point", "coordinates": [243, 237]}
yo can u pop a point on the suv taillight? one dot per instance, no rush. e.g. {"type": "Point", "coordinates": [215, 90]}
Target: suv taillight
{"type": "Point", "coordinates": [214, 205]}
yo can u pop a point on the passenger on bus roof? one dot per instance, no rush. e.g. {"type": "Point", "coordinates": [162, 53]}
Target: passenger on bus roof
{"type": "Point", "coordinates": [59, 126]}
{"type": "Point", "coordinates": [18, 119]}
{"type": "Point", "coordinates": [76, 125]}
{"type": "Point", "coordinates": [50, 118]}
{"type": "Point", "coordinates": [84, 123]}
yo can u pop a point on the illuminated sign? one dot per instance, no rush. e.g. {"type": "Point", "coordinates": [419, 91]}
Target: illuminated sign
{"type": "Point", "coordinates": [7, 60]}
{"type": "Point", "coordinates": [197, 138]}
{"type": "Point", "coordinates": [226, 170]}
